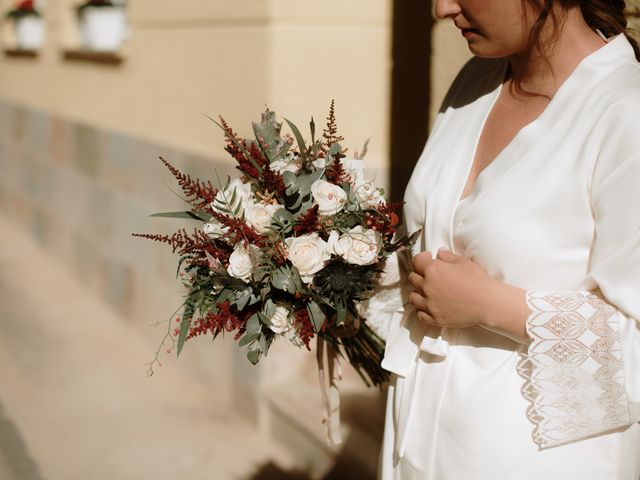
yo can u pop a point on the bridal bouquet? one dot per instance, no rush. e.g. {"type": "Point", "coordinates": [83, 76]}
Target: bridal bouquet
{"type": "Point", "coordinates": [288, 250]}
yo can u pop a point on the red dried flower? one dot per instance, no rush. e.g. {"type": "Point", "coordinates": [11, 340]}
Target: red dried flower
{"type": "Point", "coordinates": [307, 223]}
{"type": "Point", "coordinates": [330, 133]}
{"type": "Point", "coordinates": [199, 194]}
{"type": "Point", "coordinates": [196, 245]}
{"type": "Point", "coordinates": [304, 327]}
{"type": "Point", "coordinates": [224, 320]}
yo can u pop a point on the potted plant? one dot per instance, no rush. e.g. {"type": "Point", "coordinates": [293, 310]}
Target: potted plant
{"type": "Point", "coordinates": [102, 23]}
{"type": "Point", "coordinates": [29, 26]}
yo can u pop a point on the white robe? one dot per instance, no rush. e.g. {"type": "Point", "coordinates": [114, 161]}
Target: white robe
{"type": "Point", "coordinates": [557, 213]}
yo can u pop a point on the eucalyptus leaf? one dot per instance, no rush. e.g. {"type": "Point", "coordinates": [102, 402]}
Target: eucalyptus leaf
{"type": "Point", "coordinates": [296, 133]}
{"type": "Point", "coordinates": [269, 308]}
{"type": "Point", "coordinates": [243, 299]}
{"type": "Point", "coordinates": [283, 216]}
{"type": "Point", "coordinates": [253, 355]}
{"type": "Point", "coordinates": [316, 315]}
{"type": "Point", "coordinates": [283, 279]}
{"type": "Point", "coordinates": [303, 183]}
{"type": "Point", "coordinates": [335, 149]}
{"type": "Point", "coordinates": [253, 325]}
{"type": "Point", "coordinates": [341, 313]}
{"type": "Point", "coordinates": [201, 216]}
{"type": "Point", "coordinates": [248, 338]}
{"type": "Point", "coordinates": [262, 342]}
{"type": "Point", "coordinates": [185, 323]}
{"type": "Point", "coordinates": [268, 134]}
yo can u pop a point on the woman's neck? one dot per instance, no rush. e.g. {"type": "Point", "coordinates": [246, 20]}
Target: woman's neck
{"type": "Point", "coordinates": [575, 40]}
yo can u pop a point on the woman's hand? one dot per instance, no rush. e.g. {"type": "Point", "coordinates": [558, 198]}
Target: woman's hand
{"type": "Point", "coordinates": [455, 291]}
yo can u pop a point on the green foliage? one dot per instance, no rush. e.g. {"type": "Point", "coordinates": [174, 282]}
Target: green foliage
{"type": "Point", "coordinates": [185, 323]}
{"type": "Point", "coordinates": [316, 315]}
{"type": "Point", "coordinates": [228, 202]}
{"type": "Point", "coordinates": [96, 4]}
{"type": "Point", "coordinates": [201, 216]}
{"type": "Point", "coordinates": [22, 12]}
{"type": "Point", "coordinates": [299, 138]}
{"type": "Point", "coordinates": [287, 278]}
{"type": "Point", "coordinates": [268, 134]}
{"type": "Point", "coordinates": [283, 221]}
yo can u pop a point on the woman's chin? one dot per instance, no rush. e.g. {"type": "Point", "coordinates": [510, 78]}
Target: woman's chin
{"type": "Point", "coordinates": [485, 51]}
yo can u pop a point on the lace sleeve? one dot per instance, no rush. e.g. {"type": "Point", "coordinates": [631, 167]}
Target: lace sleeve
{"type": "Point", "coordinates": [574, 375]}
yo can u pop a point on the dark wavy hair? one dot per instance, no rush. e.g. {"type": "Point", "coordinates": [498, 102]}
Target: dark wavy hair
{"type": "Point", "coordinates": [605, 15]}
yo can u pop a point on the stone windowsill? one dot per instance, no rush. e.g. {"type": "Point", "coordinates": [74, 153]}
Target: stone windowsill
{"type": "Point", "coordinates": [21, 53]}
{"type": "Point", "coordinates": [103, 58]}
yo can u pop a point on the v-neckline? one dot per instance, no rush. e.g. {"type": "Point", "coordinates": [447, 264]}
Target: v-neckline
{"type": "Point", "coordinates": [495, 96]}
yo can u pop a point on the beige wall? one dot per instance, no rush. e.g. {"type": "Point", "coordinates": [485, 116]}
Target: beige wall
{"type": "Point", "coordinates": [192, 57]}
{"type": "Point", "coordinates": [449, 54]}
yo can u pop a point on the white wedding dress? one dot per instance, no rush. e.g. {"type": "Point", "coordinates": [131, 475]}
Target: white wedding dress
{"type": "Point", "coordinates": [557, 213]}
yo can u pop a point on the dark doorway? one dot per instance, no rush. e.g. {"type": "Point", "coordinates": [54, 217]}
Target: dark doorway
{"type": "Point", "coordinates": [410, 89]}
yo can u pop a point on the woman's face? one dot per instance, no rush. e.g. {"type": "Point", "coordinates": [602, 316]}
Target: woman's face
{"type": "Point", "coordinates": [492, 28]}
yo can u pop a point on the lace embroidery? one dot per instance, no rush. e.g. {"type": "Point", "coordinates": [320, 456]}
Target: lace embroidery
{"type": "Point", "coordinates": [574, 378]}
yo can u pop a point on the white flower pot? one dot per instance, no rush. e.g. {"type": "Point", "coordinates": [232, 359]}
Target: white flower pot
{"type": "Point", "coordinates": [104, 28]}
{"type": "Point", "coordinates": [30, 32]}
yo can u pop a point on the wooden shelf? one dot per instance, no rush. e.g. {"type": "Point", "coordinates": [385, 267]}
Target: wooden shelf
{"type": "Point", "coordinates": [104, 58]}
{"type": "Point", "coordinates": [20, 53]}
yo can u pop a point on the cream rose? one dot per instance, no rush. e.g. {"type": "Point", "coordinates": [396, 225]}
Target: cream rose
{"type": "Point", "coordinates": [359, 246]}
{"type": "Point", "coordinates": [330, 198]}
{"type": "Point", "coordinates": [308, 253]}
{"type": "Point", "coordinates": [241, 262]}
{"type": "Point", "coordinates": [279, 321]}
{"type": "Point", "coordinates": [223, 200]}
{"type": "Point", "coordinates": [259, 216]}
{"type": "Point", "coordinates": [368, 194]}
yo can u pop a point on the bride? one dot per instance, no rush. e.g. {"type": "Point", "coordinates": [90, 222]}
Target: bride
{"type": "Point", "coordinates": [515, 350]}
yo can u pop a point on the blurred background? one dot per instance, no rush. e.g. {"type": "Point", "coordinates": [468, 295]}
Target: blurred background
{"type": "Point", "coordinates": [91, 94]}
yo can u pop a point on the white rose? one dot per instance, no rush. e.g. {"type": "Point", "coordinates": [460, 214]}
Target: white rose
{"type": "Point", "coordinates": [223, 200]}
{"type": "Point", "coordinates": [330, 198]}
{"type": "Point", "coordinates": [308, 253]}
{"type": "Point", "coordinates": [279, 321]}
{"type": "Point", "coordinates": [241, 262]}
{"type": "Point", "coordinates": [215, 229]}
{"type": "Point", "coordinates": [369, 195]}
{"type": "Point", "coordinates": [359, 246]}
{"type": "Point", "coordinates": [259, 216]}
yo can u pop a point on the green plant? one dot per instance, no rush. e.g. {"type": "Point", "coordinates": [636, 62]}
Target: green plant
{"type": "Point", "coordinates": [24, 9]}
{"type": "Point", "coordinates": [94, 4]}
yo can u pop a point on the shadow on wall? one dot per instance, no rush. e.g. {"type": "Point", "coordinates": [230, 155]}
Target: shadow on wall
{"type": "Point", "coordinates": [358, 455]}
{"type": "Point", "coordinates": [410, 94]}
{"type": "Point", "coordinates": [271, 471]}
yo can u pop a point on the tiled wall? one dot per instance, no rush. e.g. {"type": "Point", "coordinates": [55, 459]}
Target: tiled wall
{"type": "Point", "coordinates": [81, 191]}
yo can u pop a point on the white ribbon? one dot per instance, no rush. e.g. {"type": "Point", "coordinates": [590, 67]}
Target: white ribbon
{"type": "Point", "coordinates": [329, 390]}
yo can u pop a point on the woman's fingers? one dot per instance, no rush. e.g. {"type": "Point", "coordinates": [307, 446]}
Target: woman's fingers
{"type": "Point", "coordinates": [417, 281]}
{"type": "Point", "coordinates": [425, 317]}
{"type": "Point", "coordinates": [446, 255]}
{"type": "Point", "coordinates": [418, 301]}
{"type": "Point", "coordinates": [421, 260]}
